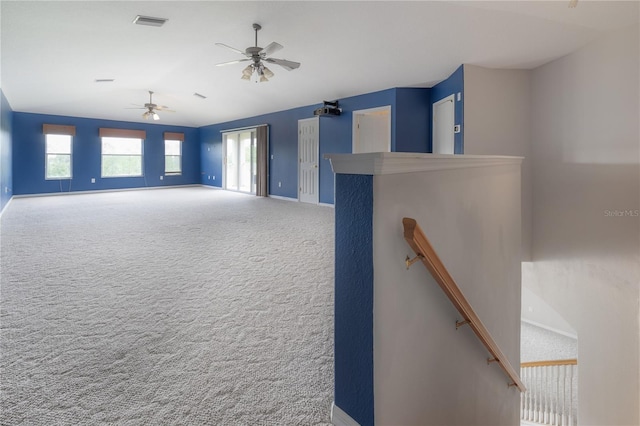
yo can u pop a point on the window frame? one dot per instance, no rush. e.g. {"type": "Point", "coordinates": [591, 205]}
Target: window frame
{"type": "Point", "coordinates": [47, 154]}
{"type": "Point", "coordinates": [102, 156]}
{"type": "Point", "coordinates": [173, 173]}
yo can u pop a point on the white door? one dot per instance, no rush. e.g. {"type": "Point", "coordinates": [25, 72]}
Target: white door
{"type": "Point", "coordinates": [443, 125]}
{"type": "Point", "coordinates": [372, 130]}
{"type": "Point", "coordinates": [308, 153]}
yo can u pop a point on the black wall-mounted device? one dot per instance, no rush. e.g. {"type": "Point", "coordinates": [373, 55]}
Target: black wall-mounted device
{"type": "Point", "coordinates": [328, 108]}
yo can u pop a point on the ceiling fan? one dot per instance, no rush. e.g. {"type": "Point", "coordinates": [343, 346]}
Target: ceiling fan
{"type": "Point", "coordinates": [151, 108]}
{"type": "Point", "coordinates": [258, 54]}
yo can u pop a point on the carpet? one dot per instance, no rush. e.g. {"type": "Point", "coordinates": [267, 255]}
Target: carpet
{"type": "Point", "coordinates": [182, 306]}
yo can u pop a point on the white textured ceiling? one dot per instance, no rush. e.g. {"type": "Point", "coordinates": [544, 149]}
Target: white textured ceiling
{"type": "Point", "coordinates": [52, 51]}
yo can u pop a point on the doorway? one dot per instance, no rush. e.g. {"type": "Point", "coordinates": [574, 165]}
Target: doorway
{"type": "Point", "coordinates": [240, 161]}
{"type": "Point", "coordinates": [443, 126]}
{"type": "Point", "coordinates": [372, 130]}
{"type": "Point", "coordinates": [308, 153]}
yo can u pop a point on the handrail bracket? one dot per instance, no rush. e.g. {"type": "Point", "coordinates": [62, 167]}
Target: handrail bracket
{"type": "Point", "coordinates": [408, 261]}
{"type": "Point", "coordinates": [461, 323]}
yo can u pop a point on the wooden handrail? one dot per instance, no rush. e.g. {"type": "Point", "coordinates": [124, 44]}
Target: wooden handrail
{"type": "Point", "coordinates": [549, 363]}
{"type": "Point", "coordinates": [425, 252]}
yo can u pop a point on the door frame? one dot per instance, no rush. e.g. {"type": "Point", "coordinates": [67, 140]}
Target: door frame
{"type": "Point", "coordinates": [315, 119]}
{"type": "Point", "coordinates": [451, 98]}
{"type": "Point", "coordinates": [355, 132]}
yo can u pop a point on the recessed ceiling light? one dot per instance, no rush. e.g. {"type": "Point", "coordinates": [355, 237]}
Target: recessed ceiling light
{"type": "Point", "coordinates": [148, 20]}
{"type": "Point", "coordinates": [199, 95]}
{"type": "Point", "coordinates": [104, 80]}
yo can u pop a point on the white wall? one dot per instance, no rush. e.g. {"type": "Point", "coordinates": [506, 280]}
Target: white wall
{"type": "Point", "coordinates": [497, 121]}
{"type": "Point", "coordinates": [426, 372]}
{"type": "Point", "coordinates": [586, 261]}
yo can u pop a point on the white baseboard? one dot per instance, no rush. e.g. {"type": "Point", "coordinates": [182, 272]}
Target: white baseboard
{"type": "Point", "coordinates": [98, 191]}
{"type": "Point", "coordinates": [340, 418]}
{"type": "Point", "coordinates": [6, 205]}
{"type": "Point", "coordinates": [278, 197]}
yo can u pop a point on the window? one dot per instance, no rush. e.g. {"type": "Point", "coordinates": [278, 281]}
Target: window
{"type": "Point", "coordinates": [172, 157]}
{"type": "Point", "coordinates": [121, 156]}
{"type": "Point", "coordinates": [58, 153]}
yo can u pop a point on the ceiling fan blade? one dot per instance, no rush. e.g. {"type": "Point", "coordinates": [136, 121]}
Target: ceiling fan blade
{"type": "Point", "coordinates": [271, 47]}
{"type": "Point", "coordinates": [230, 48]}
{"type": "Point", "coordinates": [232, 62]}
{"type": "Point", "coordinates": [288, 65]}
{"type": "Point", "coordinates": [164, 109]}
{"type": "Point", "coordinates": [135, 108]}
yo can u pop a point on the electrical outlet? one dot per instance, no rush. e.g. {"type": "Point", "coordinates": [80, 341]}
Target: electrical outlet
{"type": "Point", "coordinates": [93, 180]}
{"type": "Point", "coordinates": [214, 178]}
{"type": "Point", "coordinates": [279, 184]}
{"type": "Point", "coordinates": [208, 148]}
{"type": "Point", "coordinates": [161, 177]}
{"type": "Point", "coordinates": [272, 156]}
{"type": "Point", "coordinates": [209, 177]}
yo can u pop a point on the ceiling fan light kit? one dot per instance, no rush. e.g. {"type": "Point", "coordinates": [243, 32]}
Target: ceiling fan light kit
{"type": "Point", "coordinates": [257, 70]}
{"type": "Point", "coordinates": [152, 109]}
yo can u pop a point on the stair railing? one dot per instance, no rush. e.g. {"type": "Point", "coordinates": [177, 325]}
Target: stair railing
{"type": "Point", "coordinates": [425, 252]}
{"type": "Point", "coordinates": [549, 398]}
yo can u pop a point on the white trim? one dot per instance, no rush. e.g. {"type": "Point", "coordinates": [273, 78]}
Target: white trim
{"type": "Point", "coordinates": [386, 163]}
{"type": "Point", "coordinates": [327, 205]}
{"type": "Point", "coordinates": [242, 128]}
{"type": "Point", "coordinates": [98, 191]}
{"type": "Point", "coordinates": [278, 197]}
{"type": "Point", "coordinates": [340, 418]}
{"type": "Point", "coordinates": [551, 329]}
{"type": "Point", "coordinates": [6, 205]}
{"type": "Point", "coordinates": [204, 185]}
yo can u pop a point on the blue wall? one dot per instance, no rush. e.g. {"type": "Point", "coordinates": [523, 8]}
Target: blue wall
{"type": "Point", "coordinates": [452, 85]}
{"type": "Point", "coordinates": [283, 146]}
{"type": "Point", "coordinates": [353, 297]}
{"type": "Point", "coordinates": [29, 155]}
{"type": "Point", "coordinates": [413, 120]}
{"type": "Point", "coordinates": [6, 144]}
{"type": "Point", "coordinates": [410, 129]}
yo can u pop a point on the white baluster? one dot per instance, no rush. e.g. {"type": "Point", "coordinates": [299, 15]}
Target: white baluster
{"type": "Point", "coordinates": [535, 394]}
{"type": "Point", "coordinates": [545, 374]}
{"type": "Point", "coordinates": [530, 413]}
{"type": "Point", "coordinates": [530, 394]}
{"type": "Point", "coordinates": [564, 393]}
{"type": "Point", "coordinates": [556, 418]}
{"type": "Point", "coordinates": [522, 395]}
{"type": "Point", "coordinates": [541, 395]}
{"type": "Point", "coordinates": [571, 395]}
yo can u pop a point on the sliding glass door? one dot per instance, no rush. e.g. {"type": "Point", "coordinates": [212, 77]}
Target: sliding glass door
{"type": "Point", "coordinates": [240, 161]}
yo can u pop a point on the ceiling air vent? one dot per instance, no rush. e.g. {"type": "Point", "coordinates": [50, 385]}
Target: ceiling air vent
{"type": "Point", "coordinates": [148, 20]}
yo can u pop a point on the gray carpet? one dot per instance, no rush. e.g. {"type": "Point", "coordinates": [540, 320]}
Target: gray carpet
{"type": "Point", "coordinates": [186, 306]}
